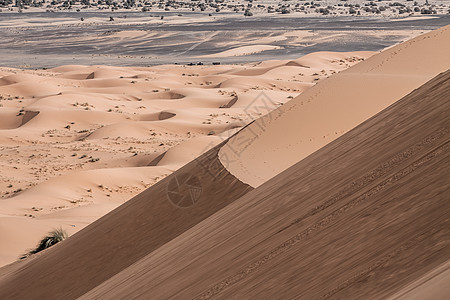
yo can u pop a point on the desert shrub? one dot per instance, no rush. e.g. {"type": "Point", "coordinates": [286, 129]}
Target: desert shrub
{"type": "Point", "coordinates": [52, 238]}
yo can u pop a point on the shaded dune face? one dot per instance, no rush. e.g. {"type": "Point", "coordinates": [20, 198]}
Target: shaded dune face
{"type": "Point", "coordinates": [11, 121]}
{"type": "Point", "coordinates": [28, 116]}
{"type": "Point", "coordinates": [127, 234]}
{"type": "Point", "coordinates": [157, 116]}
{"type": "Point", "coordinates": [360, 218]}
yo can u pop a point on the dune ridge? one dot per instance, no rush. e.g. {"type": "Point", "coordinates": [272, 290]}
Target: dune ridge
{"type": "Point", "coordinates": [333, 106]}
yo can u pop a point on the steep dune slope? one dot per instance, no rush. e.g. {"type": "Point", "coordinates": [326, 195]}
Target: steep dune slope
{"type": "Point", "coordinates": [333, 106]}
{"type": "Point", "coordinates": [125, 235]}
{"type": "Point", "coordinates": [361, 218]}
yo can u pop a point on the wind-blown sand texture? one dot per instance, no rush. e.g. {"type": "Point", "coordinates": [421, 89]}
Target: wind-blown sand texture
{"type": "Point", "coordinates": [78, 141]}
{"type": "Point", "coordinates": [331, 108]}
{"type": "Point", "coordinates": [310, 234]}
{"type": "Point", "coordinates": [348, 221]}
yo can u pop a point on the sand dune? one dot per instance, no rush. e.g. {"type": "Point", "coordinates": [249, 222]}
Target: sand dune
{"type": "Point", "coordinates": [308, 233]}
{"type": "Point", "coordinates": [299, 234]}
{"type": "Point", "coordinates": [62, 129]}
{"type": "Point", "coordinates": [334, 106]}
{"type": "Point", "coordinates": [167, 222]}
{"type": "Point", "coordinates": [244, 50]}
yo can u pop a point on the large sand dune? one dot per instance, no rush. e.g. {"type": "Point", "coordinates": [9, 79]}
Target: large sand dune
{"type": "Point", "coordinates": [348, 221]}
{"type": "Point", "coordinates": [78, 141]}
{"type": "Point", "coordinates": [332, 107]}
{"type": "Point", "coordinates": [361, 218]}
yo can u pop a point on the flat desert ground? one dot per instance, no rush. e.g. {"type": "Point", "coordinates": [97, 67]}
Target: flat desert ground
{"type": "Point", "coordinates": [230, 167]}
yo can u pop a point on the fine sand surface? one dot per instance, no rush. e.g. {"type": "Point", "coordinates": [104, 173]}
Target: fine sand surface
{"type": "Point", "coordinates": [78, 141]}
{"type": "Point", "coordinates": [332, 107]}
{"type": "Point", "coordinates": [433, 285]}
{"type": "Point", "coordinates": [349, 221]}
{"type": "Point", "coordinates": [310, 234]}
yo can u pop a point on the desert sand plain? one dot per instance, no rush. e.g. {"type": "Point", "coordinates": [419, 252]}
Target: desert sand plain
{"type": "Point", "coordinates": [79, 141]}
